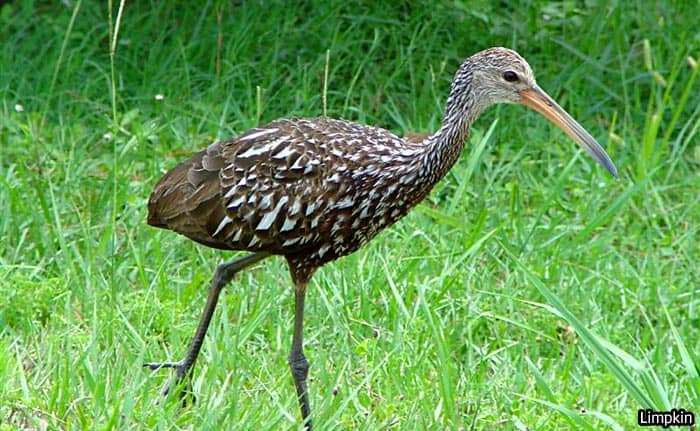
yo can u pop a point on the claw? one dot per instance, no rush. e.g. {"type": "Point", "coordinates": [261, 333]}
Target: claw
{"type": "Point", "coordinates": [181, 379]}
{"type": "Point", "coordinates": [159, 365]}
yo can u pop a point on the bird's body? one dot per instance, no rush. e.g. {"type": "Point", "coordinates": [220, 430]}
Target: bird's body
{"type": "Point", "coordinates": [313, 190]}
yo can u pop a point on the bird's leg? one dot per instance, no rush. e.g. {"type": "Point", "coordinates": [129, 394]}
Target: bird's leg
{"type": "Point", "coordinates": [222, 276]}
{"type": "Point", "coordinates": [297, 361]}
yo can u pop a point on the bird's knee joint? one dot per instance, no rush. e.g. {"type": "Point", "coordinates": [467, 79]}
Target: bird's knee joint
{"type": "Point", "coordinates": [220, 275]}
{"type": "Point", "coordinates": [299, 365]}
{"type": "Point", "coordinates": [217, 276]}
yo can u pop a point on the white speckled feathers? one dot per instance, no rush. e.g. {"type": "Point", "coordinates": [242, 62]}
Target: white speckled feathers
{"type": "Point", "coordinates": [319, 185]}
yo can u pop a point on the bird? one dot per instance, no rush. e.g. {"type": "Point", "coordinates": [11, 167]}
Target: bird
{"type": "Point", "coordinates": [315, 189]}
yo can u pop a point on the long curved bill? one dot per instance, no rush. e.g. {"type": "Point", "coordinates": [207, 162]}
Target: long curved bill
{"type": "Point", "coordinates": [540, 101]}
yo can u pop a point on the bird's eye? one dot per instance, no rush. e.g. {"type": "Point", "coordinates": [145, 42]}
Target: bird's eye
{"type": "Point", "coordinates": [510, 76]}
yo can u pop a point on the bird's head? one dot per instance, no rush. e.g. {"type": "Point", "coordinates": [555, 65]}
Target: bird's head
{"type": "Point", "coordinates": [501, 75]}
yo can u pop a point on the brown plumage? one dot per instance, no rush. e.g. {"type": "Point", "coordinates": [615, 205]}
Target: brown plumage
{"type": "Point", "coordinates": [292, 187]}
{"type": "Point", "coordinates": [313, 190]}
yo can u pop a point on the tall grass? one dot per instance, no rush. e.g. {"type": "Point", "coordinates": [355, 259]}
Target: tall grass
{"type": "Point", "coordinates": [530, 291]}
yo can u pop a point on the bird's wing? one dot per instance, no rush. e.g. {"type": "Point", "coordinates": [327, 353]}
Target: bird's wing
{"type": "Point", "coordinates": [279, 181]}
{"type": "Point", "coordinates": [187, 198]}
{"type": "Point", "coordinates": [273, 188]}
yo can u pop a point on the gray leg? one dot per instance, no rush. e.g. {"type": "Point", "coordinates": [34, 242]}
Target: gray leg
{"type": "Point", "coordinates": [222, 276]}
{"type": "Point", "coordinates": [297, 361]}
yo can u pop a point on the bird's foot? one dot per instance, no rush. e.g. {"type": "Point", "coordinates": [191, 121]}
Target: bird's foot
{"type": "Point", "coordinates": [180, 382]}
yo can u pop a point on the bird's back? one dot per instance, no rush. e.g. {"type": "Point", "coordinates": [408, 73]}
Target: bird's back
{"type": "Point", "coordinates": [314, 187]}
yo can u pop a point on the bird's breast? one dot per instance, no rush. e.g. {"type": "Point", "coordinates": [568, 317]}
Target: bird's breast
{"type": "Point", "coordinates": [368, 205]}
{"type": "Point", "coordinates": [288, 188]}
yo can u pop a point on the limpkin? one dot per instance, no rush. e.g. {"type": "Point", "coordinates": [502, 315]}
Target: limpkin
{"type": "Point", "coordinates": [313, 190]}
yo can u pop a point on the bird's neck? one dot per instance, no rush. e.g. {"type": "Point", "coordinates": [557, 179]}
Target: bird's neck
{"type": "Point", "coordinates": [442, 149]}
{"type": "Point", "coordinates": [435, 156]}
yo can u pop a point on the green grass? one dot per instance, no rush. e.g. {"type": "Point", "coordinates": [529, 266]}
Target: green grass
{"type": "Point", "coordinates": [528, 288]}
